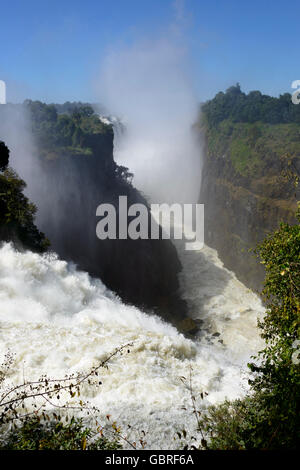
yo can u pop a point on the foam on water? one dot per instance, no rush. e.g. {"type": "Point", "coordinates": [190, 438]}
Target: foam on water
{"type": "Point", "coordinates": [58, 320]}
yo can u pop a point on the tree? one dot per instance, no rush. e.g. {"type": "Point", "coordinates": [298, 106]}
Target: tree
{"type": "Point", "coordinates": [269, 416]}
{"type": "Point", "coordinates": [4, 156]}
{"type": "Point", "coordinates": [24, 409]}
{"type": "Point", "coordinates": [16, 211]}
{"type": "Point", "coordinates": [239, 107]}
{"type": "Point", "coordinates": [277, 375]}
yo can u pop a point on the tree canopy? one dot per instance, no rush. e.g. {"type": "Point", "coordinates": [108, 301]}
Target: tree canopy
{"type": "Point", "coordinates": [69, 133]}
{"type": "Point", "coordinates": [254, 106]}
{"type": "Point", "coordinates": [16, 211]}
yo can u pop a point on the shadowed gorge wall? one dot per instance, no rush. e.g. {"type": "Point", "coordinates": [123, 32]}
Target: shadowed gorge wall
{"type": "Point", "coordinates": [251, 162]}
{"type": "Point", "coordinates": [72, 171]}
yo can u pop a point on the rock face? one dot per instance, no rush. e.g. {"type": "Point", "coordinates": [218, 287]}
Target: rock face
{"type": "Point", "coordinates": [73, 181]}
{"type": "Point", "coordinates": [243, 202]}
{"type": "Point", "coordinates": [251, 165]}
{"type": "Point", "coordinates": [142, 272]}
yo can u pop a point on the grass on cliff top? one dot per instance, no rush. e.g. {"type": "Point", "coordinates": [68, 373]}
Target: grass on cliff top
{"type": "Point", "coordinates": [253, 147]}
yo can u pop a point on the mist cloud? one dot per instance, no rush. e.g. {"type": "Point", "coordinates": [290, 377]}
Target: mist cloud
{"type": "Point", "coordinates": [149, 85]}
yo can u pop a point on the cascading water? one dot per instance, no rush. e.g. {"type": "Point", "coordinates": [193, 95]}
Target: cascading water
{"type": "Point", "coordinates": [58, 320]}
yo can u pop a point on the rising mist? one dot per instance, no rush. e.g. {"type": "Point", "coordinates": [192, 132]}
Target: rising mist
{"type": "Point", "coordinates": [149, 86]}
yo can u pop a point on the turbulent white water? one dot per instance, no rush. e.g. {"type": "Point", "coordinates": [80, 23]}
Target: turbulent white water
{"type": "Point", "coordinates": [58, 320]}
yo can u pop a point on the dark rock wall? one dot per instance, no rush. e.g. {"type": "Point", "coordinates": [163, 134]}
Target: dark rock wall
{"type": "Point", "coordinates": [240, 211]}
{"type": "Point", "coordinates": [142, 272]}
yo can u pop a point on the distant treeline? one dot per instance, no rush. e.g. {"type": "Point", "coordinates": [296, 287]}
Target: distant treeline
{"type": "Point", "coordinates": [240, 107]}
{"type": "Point", "coordinates": [69, 107]}
{"type": "Point", "coordinates": [70, 128]}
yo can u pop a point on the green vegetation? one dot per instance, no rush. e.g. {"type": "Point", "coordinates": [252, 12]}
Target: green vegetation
{"type": "Point", "coordinates": [69, 107]}
{"type": "Point", "coordinates": [269, 416]}
{"type": "Point", "coordinates": [239, 107]}
{"type": "Point", "coordinates": [250, 174]}
{"type": "Point", "coordinates": [65, 134]}
{"type": "Point", "coordinates": [258, 137]}
{"type": "Point", "coordinates": [27, 423]}
{"type": "Point", "coordinates": [253, 148]}
{"type": "Point", "coordinates": [243, 128]}
{"type": "Point", "coordinates": [54, 435]}
{"type": "Point", "coordinates": [16, 211]}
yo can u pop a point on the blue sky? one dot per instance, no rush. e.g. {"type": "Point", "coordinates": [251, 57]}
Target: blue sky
{"type": "Point", "coordinates": [52, 51]}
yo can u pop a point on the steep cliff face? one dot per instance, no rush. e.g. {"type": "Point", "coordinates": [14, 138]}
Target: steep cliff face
{"type": "Point", "coordinates": [142, 272]}
{"type": "Point", "coordinates": [247, 188]}
{"type": "Point", "coordinates": [77, 173]}
{"type": "Point", "coordinates": [65, 155]}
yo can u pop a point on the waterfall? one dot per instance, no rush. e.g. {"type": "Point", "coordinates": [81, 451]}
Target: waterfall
{"type": "Point", "coordinates": [58, 320]}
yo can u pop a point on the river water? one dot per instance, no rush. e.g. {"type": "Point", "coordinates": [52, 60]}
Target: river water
{"type": "Point", "coordinates": [57, 320]}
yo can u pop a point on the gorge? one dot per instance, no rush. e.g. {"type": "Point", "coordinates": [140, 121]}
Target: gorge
{"type": "Point", "coordinates": [56, 317]}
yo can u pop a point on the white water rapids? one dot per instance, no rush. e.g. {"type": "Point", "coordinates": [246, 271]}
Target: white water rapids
{"type": "Point", "coordinates": [58, 320]}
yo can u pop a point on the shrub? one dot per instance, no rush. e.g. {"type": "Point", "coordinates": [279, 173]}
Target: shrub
{"type": "Point", "coordinates": [34, 434]}
{"type": "Point", "coordinates": [269, 416]}
{"type": "Point", "coordinates": [26, 423]}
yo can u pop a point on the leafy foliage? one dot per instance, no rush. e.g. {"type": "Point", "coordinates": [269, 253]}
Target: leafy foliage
{"type": "Point", "coordinates": [69, 107]}
{"type": "Point", "coordinates": [254, 149]}
{"type": "Point", "coordinates": [16, 211]}
{"type": "Point", "coordinates": [65, 134]}
{"type": "Point", "coordinates": [269, 416]}
{"type": "Point", "coordinates": [27, 422]}
{"type": "Point", "coordinates": [254, 132]}
{"type": "Point", "coordinates": [72, 130]}
{"type": "Point", "coordinates": [277, 375]}
{"type": "Point", "coordinates": [255, 139]}
{"type": "Point", "coordinates": [239, 107]}
{"type": "Point", "coordinates": [54, 435]}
